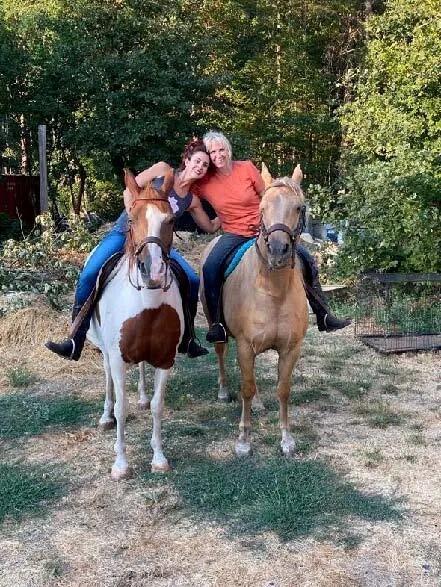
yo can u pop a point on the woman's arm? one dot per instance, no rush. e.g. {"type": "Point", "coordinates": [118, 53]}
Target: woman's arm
{"type": "Point", "coordinates": [201, 217]}
{"type": "Point", "coordinates": [143, 178]}
{"type": "Point", "coordinates": [256, 178]}
{"type": "Point", "coordinates": [156, 170]}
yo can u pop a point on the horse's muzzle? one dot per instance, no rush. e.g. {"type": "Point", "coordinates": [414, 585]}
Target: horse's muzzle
{"type": "Point", "coordinates": [279, 253]}
{"type": "Point", "coordinates": [153, 277]}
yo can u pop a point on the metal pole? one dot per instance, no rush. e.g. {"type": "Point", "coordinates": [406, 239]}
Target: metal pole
{"type": "Point", "coordinates": [43, 167]}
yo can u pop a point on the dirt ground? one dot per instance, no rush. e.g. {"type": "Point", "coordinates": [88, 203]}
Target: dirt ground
{"type": "Point", "coordinates": [132, 534]}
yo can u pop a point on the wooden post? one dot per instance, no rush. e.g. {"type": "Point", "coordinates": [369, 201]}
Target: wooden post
{"type": "Point", "coordinates": [43, 167]}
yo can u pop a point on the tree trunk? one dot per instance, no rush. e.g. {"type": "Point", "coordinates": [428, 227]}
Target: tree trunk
{"type": "Point", "coordinates": [25, 147]}
{"type": "Point", "coordinates": [77, 198]}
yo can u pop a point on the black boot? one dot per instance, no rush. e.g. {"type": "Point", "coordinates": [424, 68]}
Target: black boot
{"type": "Point", "coordinates": [192, 348]}
{"type": "Point", "coordinates": [217, 333]}
{"type": "Point", "coordinates": [71, 348]}
{"type": "Point", "coordinates": [326, 321]}
{"type": "Point", "coordinates": [189, 344]}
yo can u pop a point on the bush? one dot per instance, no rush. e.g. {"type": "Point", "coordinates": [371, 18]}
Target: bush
{"type": "Point", "coordinates": [46, 262]}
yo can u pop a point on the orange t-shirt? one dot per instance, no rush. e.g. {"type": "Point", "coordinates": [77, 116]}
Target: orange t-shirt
{"type": "Point", "coordinates": [235, 197]}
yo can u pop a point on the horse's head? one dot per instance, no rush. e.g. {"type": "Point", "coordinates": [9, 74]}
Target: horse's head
{"type": "Point", "coordinates": [151, 229]}
{"type": "Point", "coordinates": [282, 217]}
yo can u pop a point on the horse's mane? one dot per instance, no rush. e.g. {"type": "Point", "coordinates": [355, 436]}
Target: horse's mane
{"type": "Point", "coordinates": [288, 182]}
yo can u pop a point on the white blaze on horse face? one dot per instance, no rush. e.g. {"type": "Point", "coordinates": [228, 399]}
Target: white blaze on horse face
{"type": "Point", "coordinates": [155, 218]}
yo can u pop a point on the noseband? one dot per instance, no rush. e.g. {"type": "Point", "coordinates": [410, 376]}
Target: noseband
{"type": "Point", "coordinates": [138, 248]}
{"type": "Point", "coordinates": [292, 233]}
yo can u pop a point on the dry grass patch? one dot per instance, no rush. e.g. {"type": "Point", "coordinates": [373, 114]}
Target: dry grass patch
{"type": "Point", "coordinates": [330, 517]}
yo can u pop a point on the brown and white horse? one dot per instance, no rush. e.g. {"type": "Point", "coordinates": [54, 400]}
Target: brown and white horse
{"type": "Point", "coordinates": [139, 315]}
{"type": "Point", "coordinates": [264, 302]}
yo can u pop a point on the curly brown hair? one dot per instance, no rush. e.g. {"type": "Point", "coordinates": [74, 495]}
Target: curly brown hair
{"type": "Point", "coordinates": [193, 146]}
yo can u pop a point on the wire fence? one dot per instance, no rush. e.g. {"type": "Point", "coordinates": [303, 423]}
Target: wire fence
{"type": "Point", "coordinates": [399, 312]}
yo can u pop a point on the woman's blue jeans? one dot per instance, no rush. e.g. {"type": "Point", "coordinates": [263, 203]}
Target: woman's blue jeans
{"type": "Point", "coordinates": [112, 243]}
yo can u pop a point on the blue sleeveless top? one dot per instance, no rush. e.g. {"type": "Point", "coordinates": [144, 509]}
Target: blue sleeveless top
{"type": "Point", "coordinates": [178, 204]}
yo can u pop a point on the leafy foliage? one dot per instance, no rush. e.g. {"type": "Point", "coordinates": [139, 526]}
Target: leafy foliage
{"type": "Point", "coordinates": [42, 262]}
{"type": "Point", "coordinates": [391, 162]}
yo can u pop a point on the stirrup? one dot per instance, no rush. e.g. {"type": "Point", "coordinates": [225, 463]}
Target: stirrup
{"type": "Point", "coordinates": [217, 333]}
{"type": "Point", "coordinates": [195, 349]}
{"type": "Point", "coordinates": [62, 350]}
{"type": "Point", "coordinates": [331, 323]}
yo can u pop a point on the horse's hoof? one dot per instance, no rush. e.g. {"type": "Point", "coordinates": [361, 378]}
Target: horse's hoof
{"type": "Point", "coordinates": [288, 448]}
{"type": "Point", "coordinates": [224, 395]}
{"type": "Point", "coordinates": [142, 406]}
{"type": "Point", "coordinates": [119, 474]}
{"type": "Point", "coordinates": [160, 467]}
{"type": "Point", "coordinates": [243, 449]}
{"type": "Point", "coordinates": [106, 425]}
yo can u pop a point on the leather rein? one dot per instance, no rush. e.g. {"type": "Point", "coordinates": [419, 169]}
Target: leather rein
{"type": "Point", "coordinates": [138, 248]}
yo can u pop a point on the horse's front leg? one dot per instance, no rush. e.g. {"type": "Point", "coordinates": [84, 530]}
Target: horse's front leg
{"type": "Point", "coordinates": [287, 361]}
{"type": "Point", "coordinates": [120, 468]}
{"type": "Point", "coordinates": [246, 358]}
{"type": "Point", "coordinates": [223, 394]}
{"type": "Point", "coordinates": [159, 462]}
{"type": "Point", "coordinates": [107, 420]}
{"type": "Point", "coordinates": [143, 398]}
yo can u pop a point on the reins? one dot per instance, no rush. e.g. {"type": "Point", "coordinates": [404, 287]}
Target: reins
{"type": "Point", "coordinates": [136, 249]}
{"type": "Point", "coordinates": [278, 226]}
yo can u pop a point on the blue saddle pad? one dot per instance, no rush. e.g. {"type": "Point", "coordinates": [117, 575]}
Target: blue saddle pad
{"type": "Point", "coordinates": [239, 253]}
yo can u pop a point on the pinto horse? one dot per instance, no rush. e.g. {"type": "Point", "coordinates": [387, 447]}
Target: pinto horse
{"type": "Point", "coordinates": [139, 315]}
{"type": "Point", "coordinates": [264, 302]}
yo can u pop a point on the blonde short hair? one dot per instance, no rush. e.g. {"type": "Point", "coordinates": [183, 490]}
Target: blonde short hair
{"type": "Point", "coordinates": [218, 137]}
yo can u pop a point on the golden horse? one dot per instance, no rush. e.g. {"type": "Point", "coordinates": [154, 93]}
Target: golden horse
{"type": "Point", "coordinates": [264, 302]}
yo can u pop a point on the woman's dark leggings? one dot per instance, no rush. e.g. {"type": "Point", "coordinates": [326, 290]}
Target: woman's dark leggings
{"type": "Point", "coordinates": [215, 266]}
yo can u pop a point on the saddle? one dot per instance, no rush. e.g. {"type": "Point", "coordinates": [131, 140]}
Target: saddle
{"type": "Point", "coordinates": [107, 273]}
{"type": "Point", "coordinates": [235, 257]}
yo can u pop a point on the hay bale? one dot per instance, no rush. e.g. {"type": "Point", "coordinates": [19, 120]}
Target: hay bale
{"type": "Point", "coordinates": [33, 324]}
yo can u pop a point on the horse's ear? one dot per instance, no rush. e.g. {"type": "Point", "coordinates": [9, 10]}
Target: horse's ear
{"type": "Point", "coordinates": [266, 175]}
{"type": "Point", "coordinates": [297, 174]}
{"type": "Point", "coordinates": [132, 190]}
{"type": "Point", "coordinates": [168, 182]}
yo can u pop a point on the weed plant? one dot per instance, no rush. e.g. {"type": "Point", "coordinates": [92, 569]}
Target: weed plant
{"type": "Point", "coordinates": [20, 377]}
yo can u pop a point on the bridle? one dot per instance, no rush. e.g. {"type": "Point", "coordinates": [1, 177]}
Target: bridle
{"type": "Point", "coordinates": [139, 247]}
{"type": "Point", "coordinates": [292, 233]}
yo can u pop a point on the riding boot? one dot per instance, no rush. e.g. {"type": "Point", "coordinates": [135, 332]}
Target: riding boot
{"type": "Point", "coordinates": [71, 348]}
{"type": "Point", "coordinates": [326, 321]}
{"type": "Point", "coordinates": [217, 333]}
{"type": "Point", "coordinates": [189, 343]}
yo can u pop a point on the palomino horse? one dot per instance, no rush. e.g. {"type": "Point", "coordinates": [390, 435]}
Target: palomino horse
{"type": "Point", "coordinates": [139, 315]}
{"type": "Point", "coordinates": [264, 302]}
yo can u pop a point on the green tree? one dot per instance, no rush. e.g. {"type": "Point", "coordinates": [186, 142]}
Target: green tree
{"type": "Point", "coordinates": [116, 82]}
{"type": "Point", "coordinates": [281, 62]}
{"type": "Point", "coordinates": [391, 165]}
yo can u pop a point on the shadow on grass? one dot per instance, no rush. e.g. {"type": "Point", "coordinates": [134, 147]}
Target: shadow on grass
{"type": "Point", "coordinates": [22, 414]}
{"type": "Point", "coordinates": [28, 489]}
{"type": "Point", "coordinates": [291, 498]}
